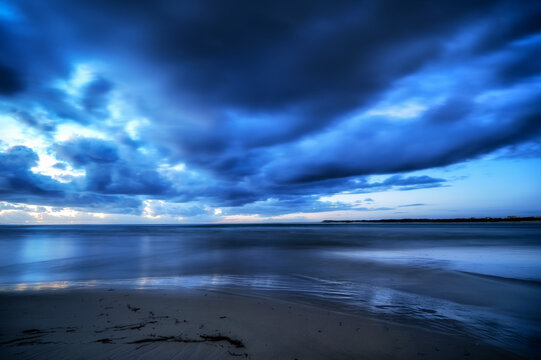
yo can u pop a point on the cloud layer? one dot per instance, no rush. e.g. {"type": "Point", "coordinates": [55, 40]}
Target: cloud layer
{"type": "Point", "coordinates": [260, 107]}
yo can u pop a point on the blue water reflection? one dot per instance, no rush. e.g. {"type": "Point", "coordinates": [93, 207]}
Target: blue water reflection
{"type": "Point", "coordinates": [483, 279]}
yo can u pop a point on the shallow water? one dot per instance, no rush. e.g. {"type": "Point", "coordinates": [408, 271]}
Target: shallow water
{"type": "Point", "coordinates": [483, 280]}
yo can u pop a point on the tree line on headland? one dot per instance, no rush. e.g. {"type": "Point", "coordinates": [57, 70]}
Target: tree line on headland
{"type": "Point", "coordinates": [455, 220]}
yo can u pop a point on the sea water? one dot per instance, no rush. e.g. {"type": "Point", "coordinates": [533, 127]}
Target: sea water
{"type": "Point", "coordinates": [480, 279]}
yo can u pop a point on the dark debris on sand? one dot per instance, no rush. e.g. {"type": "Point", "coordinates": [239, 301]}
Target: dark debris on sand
{"type": "Point", "coordinates": [133, 308]}
{"type": "Point", "coordinates": [204, 338]}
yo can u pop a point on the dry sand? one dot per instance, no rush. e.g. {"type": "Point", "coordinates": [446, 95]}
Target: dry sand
{"type": "Point", "coordinates": [154, 324]}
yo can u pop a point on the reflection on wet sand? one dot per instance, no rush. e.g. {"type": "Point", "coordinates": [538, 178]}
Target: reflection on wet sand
{"type": "Point", "coordinates": [477, 279]}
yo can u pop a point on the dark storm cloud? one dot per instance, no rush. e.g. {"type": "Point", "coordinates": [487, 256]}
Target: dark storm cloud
{"type": "Point", "coordinates": [16, 177]}
{"type": "Point", "coordinates": [260, 98]}
{"type": "Point", "coordinates": [19, 184]}
{"type": "Point", "coordinates": [274, 54]}
{"type": "Point", "coordinates": [126, 179]}
{"type": "Point", "coordinates": [299, 67]}
{"type": "Point", "coordinates": [278, 199]}
{"type": "Point", "coordinates": [30, 57]}
{"type": "Point", "coordinates": [108, 173]}
{"type": "Point", "coordinates": [95, 96]}
{"type": "Point", "coordinates": [287, 79]}
{"type": "Point", "coordinates": [387, 148]}
{"type": "Point", "coordinates": [10, 82]}
{"type": "Point", "coordinates": [84, 151]}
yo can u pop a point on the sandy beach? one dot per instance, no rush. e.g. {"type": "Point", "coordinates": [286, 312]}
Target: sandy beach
{"type": "Point", "coordinates": [195, 324]}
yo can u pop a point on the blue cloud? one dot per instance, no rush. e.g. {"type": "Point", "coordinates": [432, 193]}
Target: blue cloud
{"type": "Point", "coordinates": [20, 185]}
{"type": "Point", "coordinates": [16, 177]}
{"type": "Point", "coordinates": [95, 96]}
{"type": "Point", "coordinates": [410, 205]}
{"type": "Point", "coordinates": [108, 173]}
{"type": "Point", "coordinates": [268, 105]}
{"type": "Point", "coordinates": [84, 151]}
{"type": "Point", "coordinates": [10, 81]}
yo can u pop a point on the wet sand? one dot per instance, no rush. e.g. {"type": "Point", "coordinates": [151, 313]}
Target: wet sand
{"type": "Point", "coordinates": [194, 324]}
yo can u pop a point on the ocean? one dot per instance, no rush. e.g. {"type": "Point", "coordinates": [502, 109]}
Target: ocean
{"type": "Point", "coordinates": [481, 279]}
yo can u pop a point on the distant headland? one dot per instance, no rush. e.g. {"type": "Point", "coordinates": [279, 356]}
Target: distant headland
{"type": "Point", "coordinates": [455, 220]}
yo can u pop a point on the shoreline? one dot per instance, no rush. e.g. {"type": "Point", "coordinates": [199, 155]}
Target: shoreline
{"type": "Point", "coordinates": [192, 324]}
{"type": "Point", "coordinates": [509, 219]}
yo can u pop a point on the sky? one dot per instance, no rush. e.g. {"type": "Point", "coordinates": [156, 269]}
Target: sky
{"type": "Point", "coordinates": [268, 111]}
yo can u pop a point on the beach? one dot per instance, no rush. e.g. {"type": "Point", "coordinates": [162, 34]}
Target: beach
{"type": "Point", "coordinates": [270, 180]}
{"type": "Point", "coordinates": [304, 291]}
{"type": "Point", "coordinates": [130, 324]}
